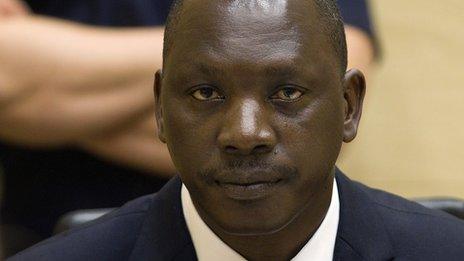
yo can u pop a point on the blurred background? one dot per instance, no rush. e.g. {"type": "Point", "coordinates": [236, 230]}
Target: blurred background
{"type": "Point", "coordinates": [411, 139]}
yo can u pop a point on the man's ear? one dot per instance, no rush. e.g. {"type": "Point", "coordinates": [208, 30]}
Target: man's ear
{"type": "Point", "coordinates": [158, 108]}
{"type": "Point", "coordinates": [354, 86]}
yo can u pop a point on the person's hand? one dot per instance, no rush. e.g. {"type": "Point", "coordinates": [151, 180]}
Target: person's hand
{"type": "Point", "coordinates": [12, 8]}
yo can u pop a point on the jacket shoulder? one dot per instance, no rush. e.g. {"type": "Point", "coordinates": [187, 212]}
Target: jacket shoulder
{"type": "Point", "coordinates": [110, 237]}
{"type": "Point", "coordinates": [416, 231]}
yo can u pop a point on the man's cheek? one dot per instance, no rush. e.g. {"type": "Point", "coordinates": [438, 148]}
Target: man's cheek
{"type": "Point", "coordinates": [190, 144]}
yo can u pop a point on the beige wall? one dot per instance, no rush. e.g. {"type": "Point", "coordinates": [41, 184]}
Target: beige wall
{"type": "Point", "coordinates": [411, 140]}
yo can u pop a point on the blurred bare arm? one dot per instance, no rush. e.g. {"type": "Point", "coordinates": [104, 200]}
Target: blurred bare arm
{"type": "Point", "coordinates": [9, 8]}
{"type": "Point", "coordinates": [62, 83]}
{"type": "Point", "coordinates": [137, 146]}
{"type": "Point", "coordinates": [78, 91]}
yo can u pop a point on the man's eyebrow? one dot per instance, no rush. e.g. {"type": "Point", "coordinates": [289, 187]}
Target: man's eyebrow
{"type": "Point", "coordinates": [282, 70]}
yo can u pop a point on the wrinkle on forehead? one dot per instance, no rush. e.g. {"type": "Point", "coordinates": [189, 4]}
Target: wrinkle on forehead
{"type": "Point", "coordinates": [252, 50]}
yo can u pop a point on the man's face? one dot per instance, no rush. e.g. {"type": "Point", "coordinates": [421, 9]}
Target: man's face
{"type": "Point", "coordinates": [252, 109]}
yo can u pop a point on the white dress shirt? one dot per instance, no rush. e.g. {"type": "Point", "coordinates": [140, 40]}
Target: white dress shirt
{"type": "Point", "coordinates": [209, 246]}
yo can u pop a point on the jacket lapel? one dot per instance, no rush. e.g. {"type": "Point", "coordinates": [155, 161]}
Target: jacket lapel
{"type": "Point", "coordinates": [361, 233]}
{"type": "Point", "coordinates": [164, 234]}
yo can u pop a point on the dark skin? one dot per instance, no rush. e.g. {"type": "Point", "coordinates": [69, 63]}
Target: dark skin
{"type": "Point", "coordinates": [254, 108]}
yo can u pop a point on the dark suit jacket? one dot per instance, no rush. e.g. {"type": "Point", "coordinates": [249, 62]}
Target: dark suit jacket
{"type": "Point", "coordinates": [374, 225]}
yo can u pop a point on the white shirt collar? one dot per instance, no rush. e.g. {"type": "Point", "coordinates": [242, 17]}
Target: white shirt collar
{"type": "Point", "coordinates": [209, 246]}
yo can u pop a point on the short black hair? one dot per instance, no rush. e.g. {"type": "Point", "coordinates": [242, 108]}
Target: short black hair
{"type": "Point", "coordinates": [332, 23]}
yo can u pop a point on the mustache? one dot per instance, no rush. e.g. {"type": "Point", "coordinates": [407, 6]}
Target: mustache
{"type": "Point", "coordinates": [247, 170]}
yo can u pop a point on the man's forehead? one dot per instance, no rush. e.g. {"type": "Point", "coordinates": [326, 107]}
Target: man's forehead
{"type": "Point", "coordinates": [251, 29]}
{"type": "Point", "coordinates": [267, 67]}
{"type": "Point", "coordinates": [242, 16]}
{"type": "Point", "coordinates": [267, 7]}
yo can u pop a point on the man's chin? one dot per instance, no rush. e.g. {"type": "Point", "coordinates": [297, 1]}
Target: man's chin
{"type": "Point", "coordinates": [255, 227]}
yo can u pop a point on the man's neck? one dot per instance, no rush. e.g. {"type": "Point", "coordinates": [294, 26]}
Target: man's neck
{"type": "Point", "coordinates": [285, 243]}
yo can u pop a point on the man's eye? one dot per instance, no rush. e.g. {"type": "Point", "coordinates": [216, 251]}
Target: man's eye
{"type": "Point", "coordinates": [287, 94]}
{"type": "Point", "coordinates": [205, 94]}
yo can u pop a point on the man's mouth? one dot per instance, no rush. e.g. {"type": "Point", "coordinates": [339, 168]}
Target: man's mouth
{"type": "Point", "coordinates": [249, 190]}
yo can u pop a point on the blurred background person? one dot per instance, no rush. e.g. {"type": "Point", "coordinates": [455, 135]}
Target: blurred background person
{"type": "Point", "coordinates": [76, 106]}
{"type": "Point", "coordinates": [76, 118]}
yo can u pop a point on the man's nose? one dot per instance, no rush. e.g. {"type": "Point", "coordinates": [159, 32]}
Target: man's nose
{"type": "Point", "coordinates": [246, 130]}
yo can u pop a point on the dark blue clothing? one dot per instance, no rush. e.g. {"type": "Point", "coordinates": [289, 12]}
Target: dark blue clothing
{"type": "Point", "coordinates": [41, 185]}
{"type": "Point", "coordinates": [105, 12]}
{"type": "Point", "coordinates": [356, 13]}
{"type": "Point", "coordinates": [374, 225]}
